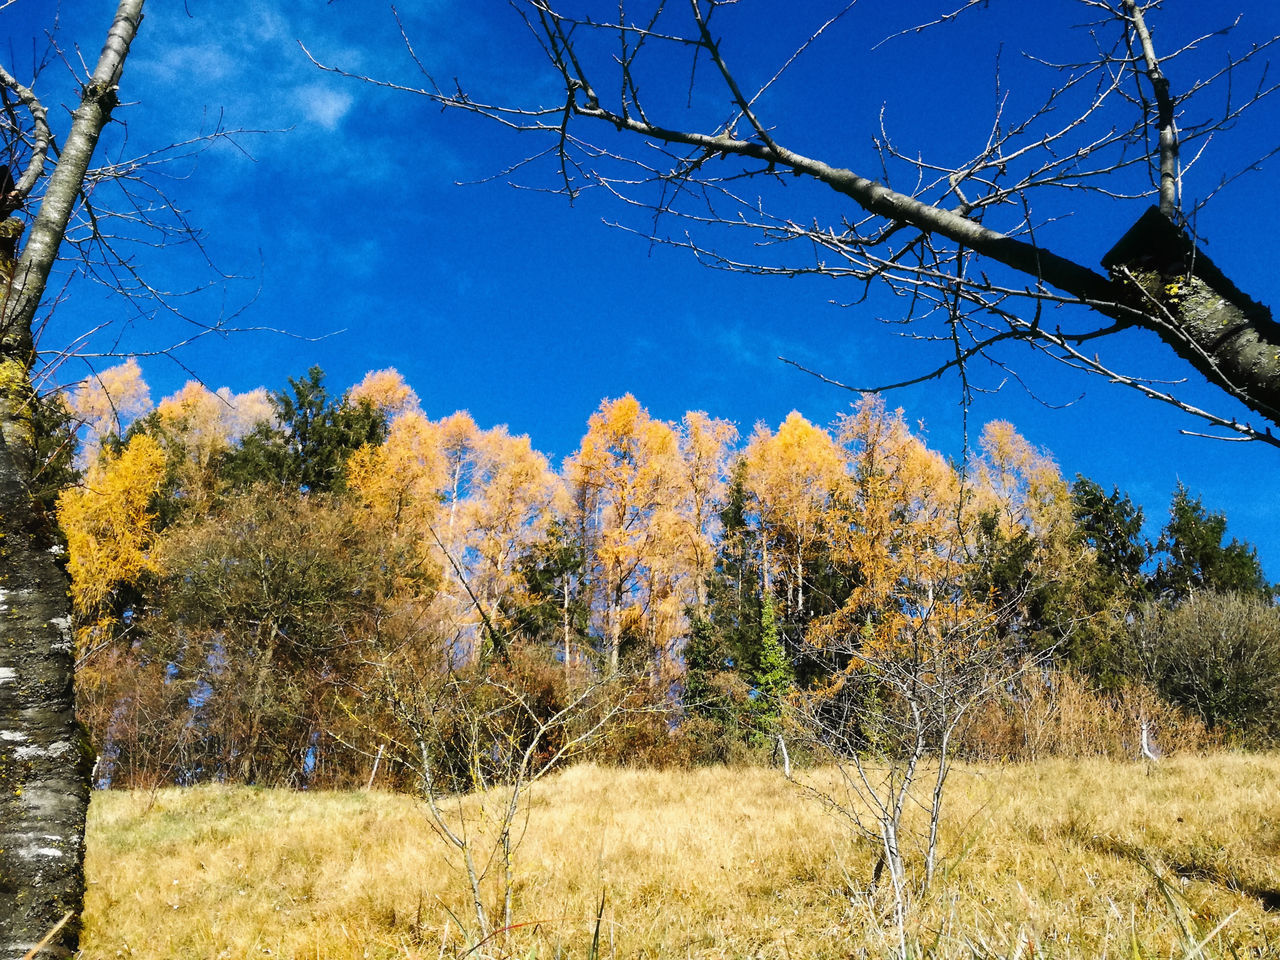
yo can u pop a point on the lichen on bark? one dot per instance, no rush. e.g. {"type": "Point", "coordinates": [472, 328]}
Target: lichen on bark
{"type": "Point", "coordinates": [15, 401]}
{"type": "Point", "coordinates": [43, 768]}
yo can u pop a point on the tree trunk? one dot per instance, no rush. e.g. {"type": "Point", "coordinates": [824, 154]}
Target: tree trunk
{"type": "Point", "coordinates": [44, 759]}
{"type": "Point", "coordinates": [564, 614]}
{"type": "Point", "coordinates": [252, 766]}
{"type": "Point", "coordinates": [613, 631]}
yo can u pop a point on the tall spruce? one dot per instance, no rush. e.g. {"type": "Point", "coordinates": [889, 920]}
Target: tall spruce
{"type": "Point", "coordinates": [1194, 557]}
{"type": "Point", "coordinates": [308, 446]}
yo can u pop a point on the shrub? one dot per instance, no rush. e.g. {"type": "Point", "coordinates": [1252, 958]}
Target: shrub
{"type": "Point", "coordinates": [1218, 655]}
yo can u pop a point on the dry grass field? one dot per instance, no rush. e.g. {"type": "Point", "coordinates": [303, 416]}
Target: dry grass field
{"type": "Point", "coordinates": [1062, 859]}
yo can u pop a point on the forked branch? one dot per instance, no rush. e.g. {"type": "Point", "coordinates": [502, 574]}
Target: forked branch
{"type": "Point", "coordinates": [921, 228]}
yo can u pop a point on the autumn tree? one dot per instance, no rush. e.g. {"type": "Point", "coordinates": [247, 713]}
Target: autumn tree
{"type": "Point", "coordinates": [644, 497]}
{"type": "Point", "coordinates": [898, 537]}
{"type": "Point", "coordinates": [399, 479]}
{"type": "Point", "coordinates": [705, 449]}
{"type": "Point", "coordinates": [792, 478]}
{"type": "Point", "coordinates": [456, 438]}
{"type": "Point", "coordinates": [396, 484]}
{"type": "Point", "coordinates": [199, 430]}
{"type": "Point", "coordinates": [111, 536]}
{"type": "Point", "coordinates": [515, 499]}
{"type": "Point", "coordinates": [621, 477]}
{"type": "Point", "coordinates": [386, 391]}
{"type": "Point", "coordinates": [474, 503]}
{"type": "Point", "coordinates": [107, 402]}
{"type": "Point", "coordinates": [1029, 551]}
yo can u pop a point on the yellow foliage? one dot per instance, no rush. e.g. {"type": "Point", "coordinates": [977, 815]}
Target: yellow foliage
{"type": "Point", "coordinates": [110, 538]}
{"type": "Point", "coordinates": [399, 481]}
{"type": "Point", "coordinates": [902, 531]}
{"type": "Point", "coordinates": [469, 500]}
{"type": "Point", "coordinates": [386, 391]}
{"type": "Point", "coordinates": [1020, 483]}
{"type": "Point", "coordinates": [211, 421]}
{"type": "Point", "coordinates": [108, 399]}
{"type": "Point", "coordinates": [1024, 489]}
{"type": "Point", "coordinates": [704, 454]}
{"type": "Point", "coordinates": [793, 478]}
{"type": "Point", "coordinates": [197, 426]}
{"type": "Point", "coordinates": [646, 493]}
{"type": "Point", "coordinates": [195, 433]}
{"type": "Point", "coordinates": [878, 506]}
{"type": "Point", "coordinates": [241, 412]}
{"type": "Point", "coordinates": [514, 496]}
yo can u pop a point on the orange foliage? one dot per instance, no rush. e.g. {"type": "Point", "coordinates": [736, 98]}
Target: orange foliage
{"type": "Point", "coordinates": [470, 502]}
{"type": "Point", "coordinates": [1021, 484]}
{"type": "Point", "coordinates": [514, 497]}
{"type": "Point", "coordinates": [793, 478]}
{"type": "Point", "coordinates": [399, 481]}
{"type": "Point", "coordinates": [645, 496]}
{"type": "Point", "coordinates": [704, 455]}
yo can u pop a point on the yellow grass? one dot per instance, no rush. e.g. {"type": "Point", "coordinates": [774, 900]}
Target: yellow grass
{"type": "Point", "coordinates": [1046, 858]}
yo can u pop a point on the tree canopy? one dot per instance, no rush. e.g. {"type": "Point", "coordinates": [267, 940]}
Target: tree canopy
{"type": "Point", "coordinates": [731, 578]}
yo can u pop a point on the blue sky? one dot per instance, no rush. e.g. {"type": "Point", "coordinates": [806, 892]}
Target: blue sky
{"type": "Point", "coordinates": [351, 231]}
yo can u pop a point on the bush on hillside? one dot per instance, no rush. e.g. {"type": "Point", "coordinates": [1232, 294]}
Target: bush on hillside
{"type": "Point", "coordinates": [1217, 655]}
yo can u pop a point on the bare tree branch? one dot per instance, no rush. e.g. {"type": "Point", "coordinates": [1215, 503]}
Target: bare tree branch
{"type": "Point", "coordinates": [961, 244]}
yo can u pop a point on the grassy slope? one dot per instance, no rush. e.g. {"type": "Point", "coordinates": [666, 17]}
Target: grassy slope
{"type": "Point", "coordinates": [705, 863]}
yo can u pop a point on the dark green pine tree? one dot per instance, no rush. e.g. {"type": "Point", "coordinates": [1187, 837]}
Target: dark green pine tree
{"type": "Point", "coordinates": [707, 664]}
{"type": "Point", "coordinates": [734, 602]}
{"type": "Point", "coordinates": [1112, 525]}
{"type": "Point", "coordinates": [1195, 558]}
{"type": "Point", "coordinates": [738, 667]}
{"type": "Point", "coordinates": [308, 447]}
{"type": "Point", "coordinates": [1078, 621]}
{"type": "Point", "coordinates": [716, 687]}
{"type": "Point", "coordinates": [553, 610]}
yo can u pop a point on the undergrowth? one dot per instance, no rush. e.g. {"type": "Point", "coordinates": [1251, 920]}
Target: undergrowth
{"type": "Point", "coordinates": [1052, 859]}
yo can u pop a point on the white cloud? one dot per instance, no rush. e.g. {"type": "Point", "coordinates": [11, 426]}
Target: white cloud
{"type": "Point", "coordinates": [323, 105]}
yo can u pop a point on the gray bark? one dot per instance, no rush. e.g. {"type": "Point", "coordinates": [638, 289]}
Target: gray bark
{"type": "Point", "coordinates": [44, 762]}
{"type": "Point", "coordinates": [44, 759]}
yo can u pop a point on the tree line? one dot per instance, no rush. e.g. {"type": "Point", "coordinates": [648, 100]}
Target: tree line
{"type": "Point", "coordinates": [259, 580]}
